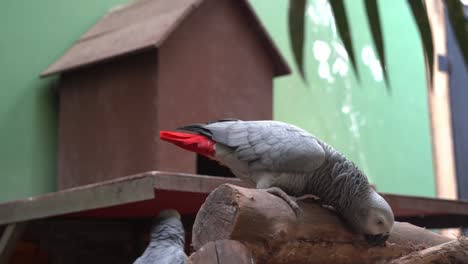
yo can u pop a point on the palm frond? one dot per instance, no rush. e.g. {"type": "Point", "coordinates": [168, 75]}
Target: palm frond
{"type": "Point", "coordinates": [422, 21]}
{"type": "Point", "coordinates": [296, 17]}
{"type": "Point", "coordinates": [373, 17]}
{"type": "Point", "coordinates": [344, 30]}
{"type": "Point", "coordinates": [454, 10]}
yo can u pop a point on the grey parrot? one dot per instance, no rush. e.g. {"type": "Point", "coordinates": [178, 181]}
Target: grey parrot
{"type": "Point", "coordinates": [167, 241]}
{"type": "Point", "coordinates": [288, 161]}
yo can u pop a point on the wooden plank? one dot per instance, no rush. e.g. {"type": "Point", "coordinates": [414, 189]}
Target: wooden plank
{"type": "Point", "coordinates": [191, 183]}
{"type": "Point", "coordinates": [439, 107]}
{"type": "Point", "coordinates": [11, 235]}
{"type": "Point", "coordinates": [124, 190]}
{"type": "Point", "coordinates": [106, 194]}
{"type": "Point", "coordinates": [142, 187]}
{"type": "Point", "coordinates": [443, 221]}
{"type": "Point", "coordinates": [429, 212]}
{"type": "Point", "coordinates": [405, 205]}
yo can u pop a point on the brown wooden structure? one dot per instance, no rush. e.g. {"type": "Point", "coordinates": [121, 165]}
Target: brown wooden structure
{"type": "Point", "coordinates": [144, 195]}
{"type": "Point", "coordinates": [153, 65]}
{"type": "Point", "coordinates": [111, 213]}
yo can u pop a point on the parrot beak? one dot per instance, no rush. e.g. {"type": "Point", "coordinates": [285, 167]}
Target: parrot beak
{"type": "Point", "coordinates": [377, 240]}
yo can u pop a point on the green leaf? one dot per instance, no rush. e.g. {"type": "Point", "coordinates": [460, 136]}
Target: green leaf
{"type": "Point", "coordinates": [296, 19]}
{"type": "Point", "coordinates": [458, 23]}
{"type": "Point", "coordinates": [373, 17]}
{"type": "Point", "coordinates": [422, 21]}
{"type": "Point", "coordinates": [342, 25]}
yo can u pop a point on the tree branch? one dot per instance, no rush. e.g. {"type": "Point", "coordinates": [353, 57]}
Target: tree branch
{"type": "Point", "coordinates": [270, 229]}
{"type": "Point", "coordinates": [451, 252]}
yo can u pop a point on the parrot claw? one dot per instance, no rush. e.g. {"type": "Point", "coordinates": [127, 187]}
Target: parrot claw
{"type": "Point", "coordinates": [288, 199]}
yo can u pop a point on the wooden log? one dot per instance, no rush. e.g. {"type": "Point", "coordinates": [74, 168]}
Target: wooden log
{"type": "Point", "coordinates": [270, 229]}
{"type": "Point", "coordinates": [452, 252]}
{"type": "Point", "coordinates": [222, 252]}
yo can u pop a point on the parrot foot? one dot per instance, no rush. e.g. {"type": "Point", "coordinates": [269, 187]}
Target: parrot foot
{"type": "Point", "coordinates": [288, 199]}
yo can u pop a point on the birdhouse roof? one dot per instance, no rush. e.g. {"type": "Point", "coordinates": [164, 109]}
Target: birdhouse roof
{"type": "Point", "coordinates": [142, 25]}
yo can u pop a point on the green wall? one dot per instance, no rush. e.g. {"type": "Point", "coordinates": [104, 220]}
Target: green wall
{"type": "Point", "coordinates": [386, 134]}
{"type": "Point", "coordinates": [32, 35]}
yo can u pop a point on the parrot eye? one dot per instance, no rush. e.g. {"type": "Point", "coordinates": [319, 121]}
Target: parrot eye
{"type": "Point", "coordinates": [379, 222]}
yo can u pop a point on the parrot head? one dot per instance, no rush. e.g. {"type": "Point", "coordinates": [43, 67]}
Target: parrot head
{"type": "Point", "coordinates": [374, 218]}
{"type": "Point", "coordinates": [168, 226]}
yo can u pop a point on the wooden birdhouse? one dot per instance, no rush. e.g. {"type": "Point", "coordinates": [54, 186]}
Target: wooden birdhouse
{"type": "Point", "coordinates": [154, 65]}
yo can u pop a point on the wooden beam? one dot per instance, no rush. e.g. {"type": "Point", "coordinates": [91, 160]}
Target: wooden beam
{"type": "Point", "coordinates": [190, 182]}
{"type": "Point", "coordinates": [11, 235]}
{"type": "Point", "coordinates": [440, 109]}
{"type": "Point", "coordinates": [429, 212]}
{"type": "Point", "coordinates": [151, 186]}
{"type": "Point", "coordinates": [121, 191]}
{"type": "Point", "coordinates": [406, 205]}
{"type": "Point", "coordinates": [439, 106]}
{"type": "Point", "coordinates": [78, 199]}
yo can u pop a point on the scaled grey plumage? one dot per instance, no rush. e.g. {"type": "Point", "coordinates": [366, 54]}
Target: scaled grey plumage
{"type": "Point", "coordinates": [276, 154]}
{"type": "Point", "coordinates": [167, 241]}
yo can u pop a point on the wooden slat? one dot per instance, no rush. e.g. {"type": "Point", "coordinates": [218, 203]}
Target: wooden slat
{"type": "Point", "coordinates": [131, 189]}
{"type": "Point", "coordinates": [11, 235]}
{"type": "Point", "coordinates": [405, 205]}
{"type": "Point", "coordinates": [106, 194]}
{"type": "Point", "coordinates": [429, 212]}
{"type": "Point", "coordinates": [142, 187]}
{"type": "Point", "coordinates": [191, 183]}
{"type": "Point", "coordinates": [439, 107]}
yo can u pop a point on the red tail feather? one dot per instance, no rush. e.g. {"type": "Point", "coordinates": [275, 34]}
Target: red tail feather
{"type": "Point", "coordinates": [193, 142]}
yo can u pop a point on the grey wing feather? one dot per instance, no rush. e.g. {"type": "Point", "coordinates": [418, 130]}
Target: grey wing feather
{"type": "Point", "coordinates": [167, 243]}
{"type": "Point", "coordinates": [169, 255]}
{"type": "Point", "coordinates": [270, 145]}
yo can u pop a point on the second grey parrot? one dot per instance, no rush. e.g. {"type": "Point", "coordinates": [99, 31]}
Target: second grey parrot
{"type": "Point", "coordinates": [285, 159]}
{"type": "Point", "coordinates": [167, 240]}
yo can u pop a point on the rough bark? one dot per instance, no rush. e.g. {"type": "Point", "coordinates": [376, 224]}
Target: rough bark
{"type": "Point", "coordinates": [222, 252]}
{"type": "Point", "coordinates": [270, 229]}
{"type": "Point", "coordinates": [452, 252]}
